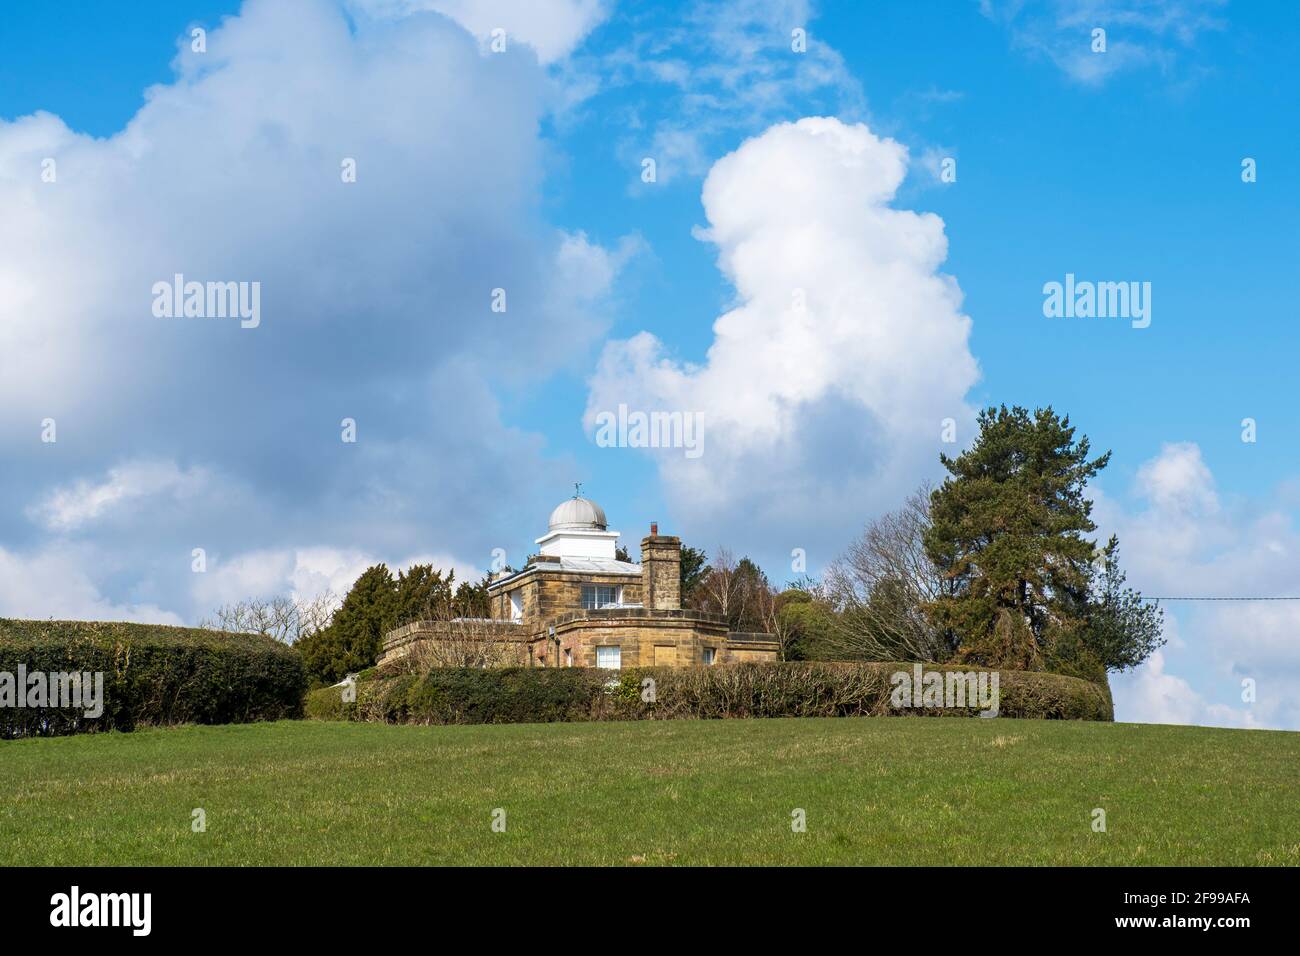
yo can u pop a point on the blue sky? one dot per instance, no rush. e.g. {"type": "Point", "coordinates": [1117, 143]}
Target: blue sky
{"type": "Point", "coordinates": [522, 169]}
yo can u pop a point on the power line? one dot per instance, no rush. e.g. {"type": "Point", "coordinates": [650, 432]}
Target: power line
{"type": "Point", "coordinates": [1221, 598]}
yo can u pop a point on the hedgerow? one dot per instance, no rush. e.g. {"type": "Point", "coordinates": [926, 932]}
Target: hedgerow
{"type": "Point", "coordinates": [152, 674]}
{"type": "Point", "coordinates": [787, 689]}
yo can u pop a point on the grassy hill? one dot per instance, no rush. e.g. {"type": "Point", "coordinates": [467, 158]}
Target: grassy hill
{"type": "Point", "coordinates": [875, 791]}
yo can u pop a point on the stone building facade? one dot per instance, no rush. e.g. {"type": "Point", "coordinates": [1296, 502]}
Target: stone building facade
{"type": "Point", "coordinates": [575, 604]}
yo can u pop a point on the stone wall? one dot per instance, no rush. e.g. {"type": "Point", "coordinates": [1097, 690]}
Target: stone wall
{"type": "Point", "coordinates": [750, 646]}
{"type": "Point", "coordinates": [661, 571]}
{"type": "Point", "coordinates": [736, 653]}
{"type": "Point", "coordinates": [548, 594]}
{"type": "Point", "coordinates": [646, 637]}
{"type": "Point", "coordinates": [498, 642]}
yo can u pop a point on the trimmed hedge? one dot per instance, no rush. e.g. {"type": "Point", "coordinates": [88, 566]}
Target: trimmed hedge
{"type": "Point", "coordinates": [788, 689]}
{"type": "Point", "coordinates": [152, 674]}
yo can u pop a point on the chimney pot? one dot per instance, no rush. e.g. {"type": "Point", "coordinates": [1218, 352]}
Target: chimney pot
{"type": "Point", "coordinates": [654, 528]}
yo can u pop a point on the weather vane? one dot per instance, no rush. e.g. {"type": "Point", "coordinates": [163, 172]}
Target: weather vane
{"type": "Point", "coordinates": [577, 489]}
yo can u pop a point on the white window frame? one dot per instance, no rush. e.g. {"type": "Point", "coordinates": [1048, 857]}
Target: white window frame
{"type": "Point", "coordinates": [516, 604]}
{"type": "Point", "coordinates": [607, 651]}
{"type": "Point", "coordinates": [615, 593]}
{"type": "Point", "coordinates": [710, 655]}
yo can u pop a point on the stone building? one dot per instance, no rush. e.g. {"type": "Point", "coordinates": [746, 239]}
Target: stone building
{"type": "Point", "coordinates": [575, 604]}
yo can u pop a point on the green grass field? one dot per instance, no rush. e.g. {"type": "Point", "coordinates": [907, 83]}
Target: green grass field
{"type": "Point", "coordinates": [875, 791]}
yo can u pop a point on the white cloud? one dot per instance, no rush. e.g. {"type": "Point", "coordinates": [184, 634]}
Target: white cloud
{"type": "Point", "coordinates": [1178, 480]}
{"type": "Point", "coordinates": [693, 77]}
{"type": "Point", "coordinates": [1139, 33]}
{"type": "Point", "coordinates": [72, 506]}
{"type": "Point", "coordinates": [304, 573]}
{"type": "Point", "coordinates": [375, 298]}
{"type": "Point", "coordinates": [1153, 697]}
{"type": "Point", "coordinates": [554, 28]}
{"type": "Point", "coordinates": [1149, 695]}
{"type": "Point", "coordinates": [258, 574]}
{"type": "Point", "coordinates": [54, 583]}
{"type": "Point", "coordinates": [67, 582]}
{"type": "Point", "coordinates": [1185, 540]}
{"type": "Point", "coordinates": [932, 160]}
{"type": "Point", "coordinates": [433, 223]}
{"type": "Point", "coordinates": [825, 387]}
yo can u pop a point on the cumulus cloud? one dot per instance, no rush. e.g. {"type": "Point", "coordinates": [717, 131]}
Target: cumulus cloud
{"type": "Point", "coordinates": [1152, 696]}
{"type": "Point", "coordinates": [58, 581]}
{"type": "Point", "coordinates": [825, 388]}
{"type": "Point", "coordinates": [1178, 480]}
{"type": "Point", "coordinates": [303, 573]}
{"type": "Point", "coordinates": [551, 27]}
{"type": "Point", "coordinates": [234, 172]}
{"type": "Point", "coordinates": [54, 583]}
{"type": "Point", "coordinates": [376, 299]}
{"type": "Point", "coordinates": [1181, 539]}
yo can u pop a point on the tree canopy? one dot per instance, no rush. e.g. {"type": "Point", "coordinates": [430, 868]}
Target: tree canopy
{"type": "Point", "coordinates": [354, 638]}
{"type": "Point", "coordinates": [379, 602]}
{"type": "Point", "coordinates": [1008, 535]}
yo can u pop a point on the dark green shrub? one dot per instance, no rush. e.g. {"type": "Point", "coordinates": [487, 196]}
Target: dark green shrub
{"type": "Point", "coordinates": [788, 689]}
{"type": "Point", "coordinates": [1069, 654]}
{"type": "Point", "coordinates": [326, 703]}
{"type": "Point", "coordinates": [454, 695]}
{"type": "Point", "coordinates": [355, 635]}
{"type": "Point", "coordinates": [811, 626]}
{"type": "Point", "coordinates": [152, 674]}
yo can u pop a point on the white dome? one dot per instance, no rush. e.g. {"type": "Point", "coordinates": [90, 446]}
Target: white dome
{"type": "Point", "coordinates": [578, 513]}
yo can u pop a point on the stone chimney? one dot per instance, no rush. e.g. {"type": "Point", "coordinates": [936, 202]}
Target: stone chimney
{"type": "Point", "coordinates": [661, 571]}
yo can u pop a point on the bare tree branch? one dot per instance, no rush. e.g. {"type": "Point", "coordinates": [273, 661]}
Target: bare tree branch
{"type": "Point", "coordinates": [881, 585]}
{"type": "Point", "coordinates": [286, 619]}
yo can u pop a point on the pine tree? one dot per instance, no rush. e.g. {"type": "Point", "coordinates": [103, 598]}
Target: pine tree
{"type": "Point", "coordinates": [694, 568]}
{"type": "Point", "coordinates": [472, 599]}
{"type": "Point", "coordinates": [1008, 535]}
{"type": "Point", "coordinates": [421, 593]}
{"type": "Point", "coordinates": [354, 638]}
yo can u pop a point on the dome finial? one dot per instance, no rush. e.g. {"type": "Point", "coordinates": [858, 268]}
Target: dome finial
{"type": "Point", "coordinates": [577, 489]}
